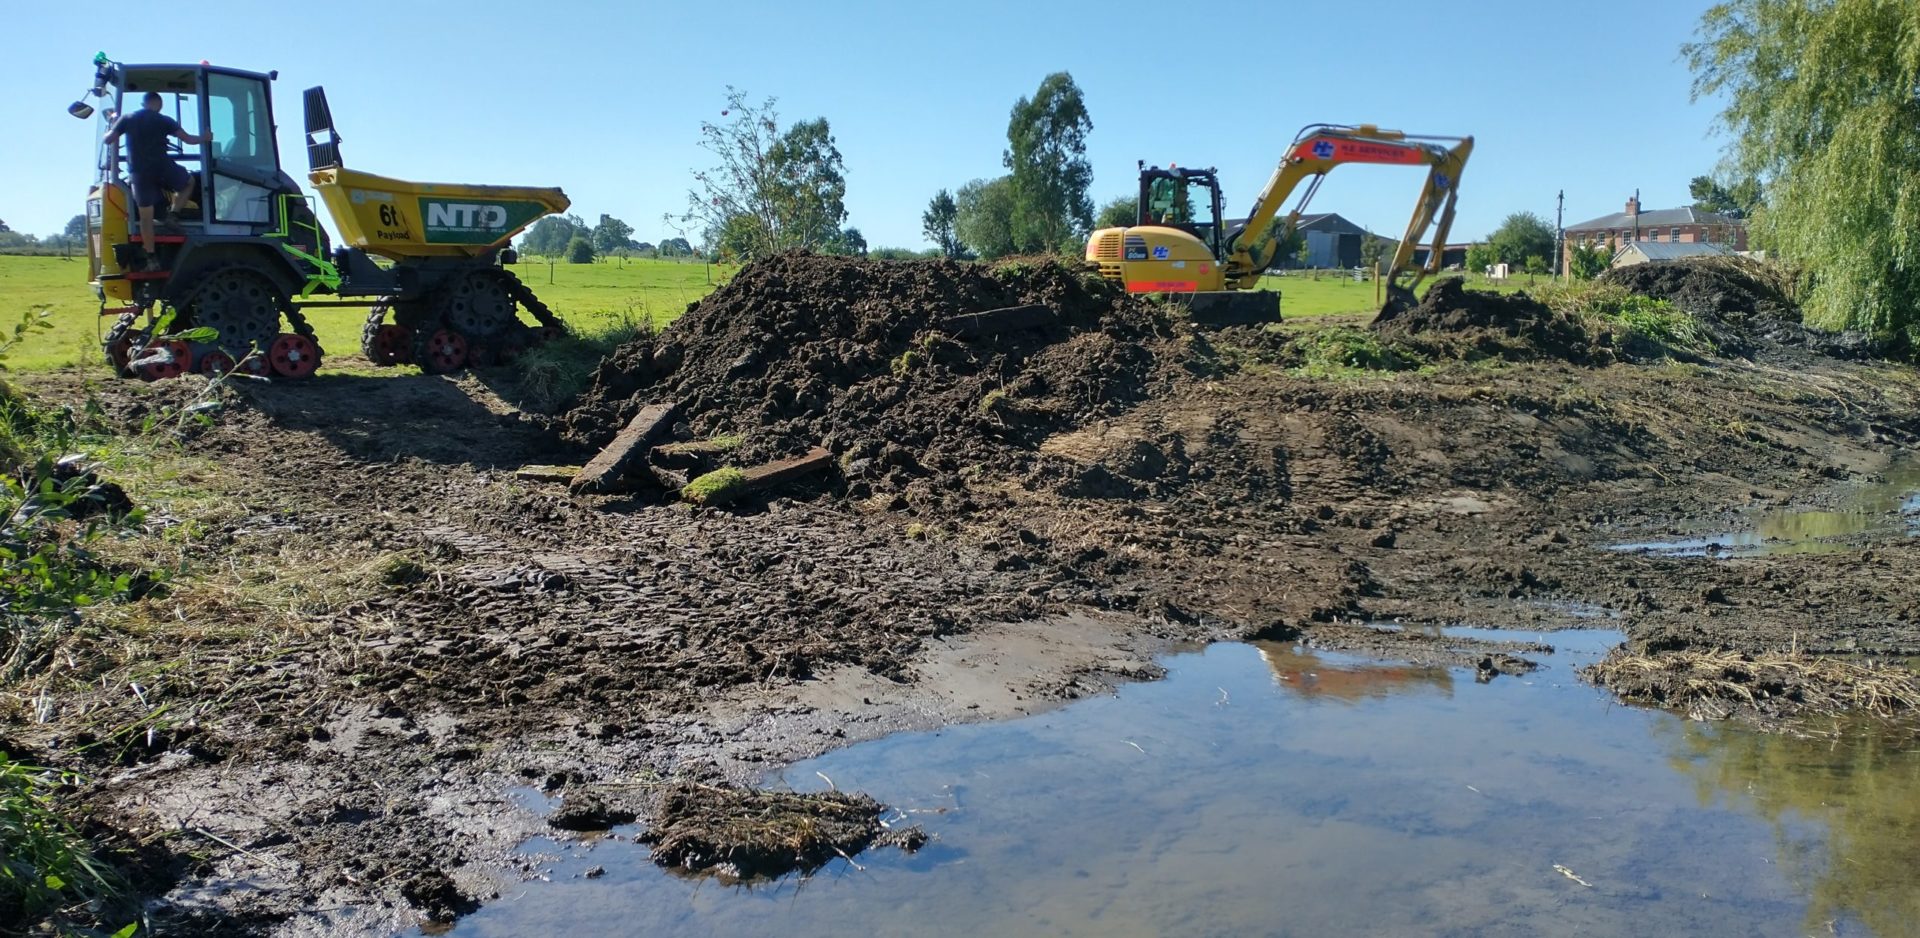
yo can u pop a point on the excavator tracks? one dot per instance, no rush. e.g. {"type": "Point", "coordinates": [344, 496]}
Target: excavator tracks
{"type": "Point", "coordinates": [469, 322]}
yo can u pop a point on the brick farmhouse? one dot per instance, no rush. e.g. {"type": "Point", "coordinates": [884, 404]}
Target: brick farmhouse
{"type": "Point", "coordinates": [1666, 225]}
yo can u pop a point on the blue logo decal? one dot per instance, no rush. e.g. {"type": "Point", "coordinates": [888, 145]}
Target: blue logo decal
{"type": "Point", "coordinates": [1160, 252]}
{"type": "Point", "coordinates": [1442, 181]}
{"type": "Point", "coordinates": [1323, 149]}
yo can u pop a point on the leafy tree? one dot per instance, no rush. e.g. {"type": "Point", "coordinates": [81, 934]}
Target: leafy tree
{"type": "Point", "coordinates": [1535, 266]}
{"type": "Point", "coordinates": [580, 250]}
{"type": "Point", "coordinates": [1372, 249]}
{"type": "Point", "coordinates": [1481, 256]}
{"type": "Point", "coordinates": [1821, 103]}
{"type": "Point", "coordinates": [3, 227]}
{"type": "Point", "coordinates": [1520, 236]}
{"type": "Point", "coordinates": [1047, 158]}
{"type": "Point", "coordinates": [983, 217]}
{"type": "Point", "coordinates": [645, 249]}
{"type": "Point", "coordinates": [1123, 212]}
{"type": "Point", "coordinates": [550, 236]}
{"type": "Point", "coordinates": [848, 241]}
{"type": "Point", "coordinates": [611, 234]}
{"type": "Point", "coordinates": [675, 247]}
{"type": "Point", "coordinates": [790, 185]}
{"type": "Point", "coordinates": [1737, 201]}
{"type": "Point", "coordinates": [1302, 251]}
{"type": "Point", "coordinates": [938, 224]}
{"type": "Point", "coordinates": [76, 228]}
{"type": "Point", "coordinates": [1586, 263]}
{"type": "Point", "coordinates": [904, 254]}
{"type": "Point", "coordinates": [736, 240]}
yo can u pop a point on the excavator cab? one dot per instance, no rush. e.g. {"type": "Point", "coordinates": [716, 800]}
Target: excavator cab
{"type": "Point", "coordinates": [1167, 198]}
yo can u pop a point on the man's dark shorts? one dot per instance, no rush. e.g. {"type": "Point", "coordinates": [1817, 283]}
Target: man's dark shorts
{"type": "Point", "coordinates": [150, 190]}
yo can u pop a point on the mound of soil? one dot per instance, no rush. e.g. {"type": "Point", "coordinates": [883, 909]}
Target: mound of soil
{"type": "Point", "coordinates": [746, 834]}
{"type": "Point", "coordinates": [1453, 322]}
{"type": "Point", "coordinates": [862, 357]}
{"type": "Point", "coordinates": [1720, 291]}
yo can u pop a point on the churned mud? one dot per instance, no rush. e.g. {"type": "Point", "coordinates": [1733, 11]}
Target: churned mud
{"type": "Point", "coordinates": [386, 633]}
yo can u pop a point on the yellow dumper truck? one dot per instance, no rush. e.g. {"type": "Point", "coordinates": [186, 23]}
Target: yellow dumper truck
{"type": "Point", "coordinates": [226, 281]}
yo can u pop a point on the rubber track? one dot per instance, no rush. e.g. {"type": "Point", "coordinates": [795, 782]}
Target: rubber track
{"type": "Point", "coordinates": [120, 327]}
{"type": "Point", "coordinates": [526, 298]}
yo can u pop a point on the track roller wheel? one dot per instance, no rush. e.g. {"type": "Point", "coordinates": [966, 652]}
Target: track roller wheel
{"type": "Point", "coordinates": [443, 351]}
{"type": "Point", "coordinates": [551, 333]}
{"type": "Point", "coordinates": [293, 356]}
{"type": "Point", "coordinates": [391, 345]}
{"type": "Point", "coordinates": [119, 345]}
{"type": "Point", "coordinates": [169, 359]}
{"type": "Point", "coordinates": [480, 355]}
{"type": "Point", "coordinates": [214, 363]}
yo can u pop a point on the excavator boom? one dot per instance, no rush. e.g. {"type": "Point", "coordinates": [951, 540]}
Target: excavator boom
{"type": "Point", "coordinates": [1315, 152]}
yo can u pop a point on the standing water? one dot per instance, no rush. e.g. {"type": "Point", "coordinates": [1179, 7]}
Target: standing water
{"type": "Point", "coordinates": [1266, 789]}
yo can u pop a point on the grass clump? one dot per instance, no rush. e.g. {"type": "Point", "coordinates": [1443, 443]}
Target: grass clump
{"type": "Point", "coordinates": [47, 870]}
{"type": "Point", "coordinates": [550, 376]}
{"type": "Point", "coordinates": [905, 363]}
{"type": "Point", "coordinates": [1715, 684]}
{"type": "Point", "coordinates": [715, 488]}
{"type": "Point", "coordinates": [1616, 308]}
{"type": "Point", "coordinates": [1344, 350]}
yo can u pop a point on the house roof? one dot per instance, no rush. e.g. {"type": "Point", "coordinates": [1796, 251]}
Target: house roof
{"type": "Point", "coordinates": [1658, 218]}
{"type": "Point", "coordinates": [1670, 251]}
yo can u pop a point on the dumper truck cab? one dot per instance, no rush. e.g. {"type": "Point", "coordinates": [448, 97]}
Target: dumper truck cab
{"type": "Point", "coordinates": [241, 202]}
{"type": "Point", "coordinates": [233, 274]}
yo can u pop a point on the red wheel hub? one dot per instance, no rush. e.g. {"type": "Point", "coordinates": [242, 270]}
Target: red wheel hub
{"type": "Point", "coordinates": [446, 351]}
{"type": "Point", "coordinates": [120, 353]}
{"type": "Point", "coordinates": [163, 360]}
{"type": "Point", "coordinates": [392, 345]}
{"type": "Point", "coordinates": [293, 356]}
{"type": "Point", "coordinates": [214, 364]}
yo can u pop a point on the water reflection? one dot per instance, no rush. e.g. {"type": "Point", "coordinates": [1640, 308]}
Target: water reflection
{"type": "Point", "coordinates": [1888, 505]}
{"type": "Point", "coordinates": [1268, 790]}
{"type": "Point", "coordinates": [1300, 671]}
{"type": "Point", "coordinates": [1844, 812]}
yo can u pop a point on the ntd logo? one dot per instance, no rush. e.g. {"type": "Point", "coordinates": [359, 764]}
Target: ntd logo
{"type": "Point", "coordinates": [465, 215]}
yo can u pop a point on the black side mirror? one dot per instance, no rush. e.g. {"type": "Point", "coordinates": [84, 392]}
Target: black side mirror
{"type": "Point", "coordinates": [80, 109]}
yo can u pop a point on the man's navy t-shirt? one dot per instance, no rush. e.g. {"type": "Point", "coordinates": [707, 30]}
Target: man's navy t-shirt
{"type": "Point", "coordinates": [146, 133]}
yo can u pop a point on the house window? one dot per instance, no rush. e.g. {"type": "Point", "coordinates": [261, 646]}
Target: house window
{"type": "Point", "coordinates": [1673, 234]}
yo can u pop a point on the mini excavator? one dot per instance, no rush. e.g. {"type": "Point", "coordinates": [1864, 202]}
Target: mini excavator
{"type": "Point", "coordinates": [1182, 247]}
{"type": "Point", "coordinates": [227, 281]}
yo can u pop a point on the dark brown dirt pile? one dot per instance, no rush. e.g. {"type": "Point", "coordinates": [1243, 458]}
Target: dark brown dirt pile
{"type": "Point", "coordinates": [1729, 292]}
{"type": "Point", "coordinates": [1453, 322]}
{"type": "Point", "coordinates": [746, 834]}
{"type": "Point", "coordinates": [801, 350]}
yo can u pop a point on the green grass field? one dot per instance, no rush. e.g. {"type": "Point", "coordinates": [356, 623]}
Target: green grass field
{"type": "Point", "coordinates": [587, 296]}
{"type": "Point", "coordinates": [1304, 296]}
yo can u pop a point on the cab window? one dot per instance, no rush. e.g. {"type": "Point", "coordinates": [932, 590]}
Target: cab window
{"type": "Point", "coordinates": [241, 126]}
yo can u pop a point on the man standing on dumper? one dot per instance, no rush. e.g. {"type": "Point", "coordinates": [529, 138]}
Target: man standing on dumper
{"type": "Point", "coordinates": [149, 169]}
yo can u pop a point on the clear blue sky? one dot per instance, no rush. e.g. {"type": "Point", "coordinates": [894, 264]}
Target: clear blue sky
{"type": "Point", "coordinates": [605, 99]}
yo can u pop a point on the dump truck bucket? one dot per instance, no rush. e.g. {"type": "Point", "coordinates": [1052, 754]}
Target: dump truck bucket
{"type": "Point", "coordinates": [399, 220]}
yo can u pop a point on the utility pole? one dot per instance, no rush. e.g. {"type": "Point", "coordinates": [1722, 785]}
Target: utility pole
{"type": "Point", "coordinates": [1560, 237]}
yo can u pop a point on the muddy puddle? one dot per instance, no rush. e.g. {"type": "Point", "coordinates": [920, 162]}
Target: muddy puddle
{"type": "Point", "coordinates": [1268, 789]}
{"type": "Point", "coordinates": [1891, 506]}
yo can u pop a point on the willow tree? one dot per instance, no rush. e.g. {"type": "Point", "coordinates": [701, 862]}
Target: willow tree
{"type": "Point", "coordinates": [1823, 105]}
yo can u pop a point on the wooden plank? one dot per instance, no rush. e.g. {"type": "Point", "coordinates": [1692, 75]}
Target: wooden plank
{"type": "Point", "coordinates": [762, 477]}
{"type": "Point", "coordinates": [547, 473]}
{"type": "Point", "coordinates": [610, 467]}
{"type": "Point", "coordinates": [774, 473]}
{"type": "Point", "coordinates": [998, 321]}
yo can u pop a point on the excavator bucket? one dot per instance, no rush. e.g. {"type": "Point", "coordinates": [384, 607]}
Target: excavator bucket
{"type": "Point", "coordinates": [1399, 300]}
{"type": "Point", "coordinates": [1231, 307]}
